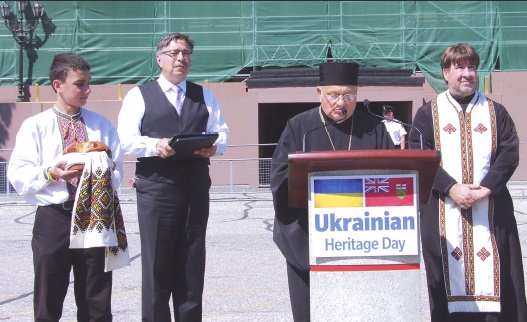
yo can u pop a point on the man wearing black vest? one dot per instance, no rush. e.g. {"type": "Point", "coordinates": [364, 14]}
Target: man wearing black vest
{"type": "Point", "coordinates": [172, 189]}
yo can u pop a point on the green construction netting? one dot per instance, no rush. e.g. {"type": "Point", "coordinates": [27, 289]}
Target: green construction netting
{"type": "Point", "coordinates": [118, 38]}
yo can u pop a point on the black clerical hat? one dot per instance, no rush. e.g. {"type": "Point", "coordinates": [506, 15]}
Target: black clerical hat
{"type": "Point", "coordinates": [387, 109]}
{"type": "Point", "coordinates": [338, 73]}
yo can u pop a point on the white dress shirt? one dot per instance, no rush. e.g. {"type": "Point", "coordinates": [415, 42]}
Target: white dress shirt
{"type": "Point", "coordinates": [39, 146]}
{"type": "Point", "coordinates": [133, 109]}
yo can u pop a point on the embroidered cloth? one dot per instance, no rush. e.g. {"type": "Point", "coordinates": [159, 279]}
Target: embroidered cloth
{"type": "Point", "coordinates": [97, 219]}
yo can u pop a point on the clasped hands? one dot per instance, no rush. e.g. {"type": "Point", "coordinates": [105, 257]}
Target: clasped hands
{"type": "Point", "coordinates": [466, 195]}
{"type": "Point", "coordinates": [164, 150]}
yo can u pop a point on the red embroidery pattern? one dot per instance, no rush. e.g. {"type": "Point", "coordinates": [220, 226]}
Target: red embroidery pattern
{"type": "Point", "coordinates": [442, 223]}
{"type": "Point", "coordinates": [472, 298]}
{"type": "Point", "coordinates": [122, 241]}
{"type": "Point", "coordinates": [97, 210]}
{"type": "Point", "coordinates": [435, 116]}
{"type": "Point", "coordinates": [494, 131]}
{"type": "Point", "coordinates": [468, 247]}
{"type": "Point", "coordinates": [79, 134]}
{"type": "Point", "coordinates": [480, 128]}
{"type": "Point", "coordinates": [467, 155]}
{"type": "Point", "coordinates": [495, 254]}
{"type": "Point", "coordinates": [456, 253]}
{"type": "Point", "coordinates": [449, 128]}
{"type": "Point", "coordinates": [95, 205]}
{"type": "Point", "coordinates": [483, 254]}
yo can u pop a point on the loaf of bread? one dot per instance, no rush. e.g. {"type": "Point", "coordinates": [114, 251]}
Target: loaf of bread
{"type": "Point", "coordinates": [75, 153]}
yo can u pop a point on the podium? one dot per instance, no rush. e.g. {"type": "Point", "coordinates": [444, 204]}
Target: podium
{"type": "Point", "coordinates": [363, 230]}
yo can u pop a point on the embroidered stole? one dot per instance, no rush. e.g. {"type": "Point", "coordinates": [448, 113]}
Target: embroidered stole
{"type": "Point", "coordinates": [469, 251]}
{"type": "Point", "coordinates": [97, 220]}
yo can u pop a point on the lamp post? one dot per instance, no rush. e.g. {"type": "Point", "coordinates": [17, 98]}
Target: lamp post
{"type": "Point", "coordinates": [19, 30]}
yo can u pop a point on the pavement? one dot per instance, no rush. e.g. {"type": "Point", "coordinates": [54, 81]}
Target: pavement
{"type": "Point", "coordinates": [245, 275]}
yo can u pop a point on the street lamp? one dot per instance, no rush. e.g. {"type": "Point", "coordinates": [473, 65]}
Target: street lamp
{"type": "Point", "coordinates": [20, 31]}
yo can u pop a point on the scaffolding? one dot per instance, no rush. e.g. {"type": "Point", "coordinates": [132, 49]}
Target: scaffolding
{"type": "Point", "coordinates": [119, 38]}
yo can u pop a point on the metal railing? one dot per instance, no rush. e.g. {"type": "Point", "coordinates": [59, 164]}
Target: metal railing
{"type": "Point", "coordinates": [231, 175]}
{"type": "Point", "coordinates": [245, 175]}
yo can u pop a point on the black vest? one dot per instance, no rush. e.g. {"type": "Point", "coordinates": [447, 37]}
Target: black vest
{"type": "Point", "coordinates": [161, 120]}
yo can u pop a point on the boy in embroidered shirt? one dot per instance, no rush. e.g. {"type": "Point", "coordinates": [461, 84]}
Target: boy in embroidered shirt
{"type": "Point", "coordinates": [37, 174]}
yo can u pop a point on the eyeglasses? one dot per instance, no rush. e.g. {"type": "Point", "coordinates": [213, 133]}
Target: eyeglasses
{"type": "Point", "coordinates": [334, 98]}
{"type": "Point", "coordinates": [174, 54]}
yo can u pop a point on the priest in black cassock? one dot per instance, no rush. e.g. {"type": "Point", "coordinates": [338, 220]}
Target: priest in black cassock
{"type": "Point", "coordinates": [346, 129]}
{"type": "Point", "coordinates": [471, 247]}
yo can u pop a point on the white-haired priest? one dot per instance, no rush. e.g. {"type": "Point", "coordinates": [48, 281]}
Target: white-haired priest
{"type": "Point", "coordinates": [346, 129]}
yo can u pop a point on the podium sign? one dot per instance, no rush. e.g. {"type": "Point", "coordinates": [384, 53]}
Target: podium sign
{"type": "Point", "coordinates": [368, 215]}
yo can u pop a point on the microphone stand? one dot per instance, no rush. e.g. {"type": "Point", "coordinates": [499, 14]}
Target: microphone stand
{"type": "Point", "coordinates": [304, 140]}
{"type": "Point", "coordinates": [367, 105]}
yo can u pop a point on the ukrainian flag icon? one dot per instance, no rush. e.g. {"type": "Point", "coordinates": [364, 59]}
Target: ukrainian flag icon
{"type": "Point", "coordinates": [338, 193]}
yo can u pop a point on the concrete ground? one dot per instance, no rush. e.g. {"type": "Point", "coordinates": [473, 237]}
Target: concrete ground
{"type": "Point", "coordinates": [245, 276]}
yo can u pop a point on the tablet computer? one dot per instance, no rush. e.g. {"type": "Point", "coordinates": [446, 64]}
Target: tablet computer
{"type": "Point", "coordinates": [188, 143]}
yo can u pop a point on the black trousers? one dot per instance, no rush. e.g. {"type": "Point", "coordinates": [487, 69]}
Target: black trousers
{"type": "Point", "coordinates": [172, 222]}
{"type": "Point", "coordinates": [298, 281]}
{"type": "Point", "coordinates": [53, 261]}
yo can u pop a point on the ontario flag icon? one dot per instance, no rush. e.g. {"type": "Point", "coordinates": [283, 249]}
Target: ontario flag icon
{"type": "Point", "coordinates": [389, 191]}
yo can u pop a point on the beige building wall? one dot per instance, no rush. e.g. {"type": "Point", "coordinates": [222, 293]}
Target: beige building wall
{"type": "Point", "coordinates": [240, 107]}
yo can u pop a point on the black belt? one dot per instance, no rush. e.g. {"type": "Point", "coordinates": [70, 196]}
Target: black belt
{"type": "Point", "coordinates": [66, 205]}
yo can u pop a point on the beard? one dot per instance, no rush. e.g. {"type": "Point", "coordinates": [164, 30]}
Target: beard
{"type": "Point", "coordinates": [465, 89]}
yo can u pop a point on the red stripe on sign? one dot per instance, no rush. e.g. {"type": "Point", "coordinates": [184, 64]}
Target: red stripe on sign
{"type": "Point", "coordinates": [364, 268]}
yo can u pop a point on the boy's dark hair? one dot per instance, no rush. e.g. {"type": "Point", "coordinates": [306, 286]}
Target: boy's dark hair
{"type": "Point", "coordinates": [62, 63]}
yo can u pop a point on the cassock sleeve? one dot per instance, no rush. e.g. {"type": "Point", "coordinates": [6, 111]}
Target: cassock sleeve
{"type": "Point", "coordinates": [279, 165]}
{"type": "Point", "coordinates": [423, 121]}
{"type": "Point", "coordinates": [290, 226]}
{"type": "Point", "coordinates": [507, 152]}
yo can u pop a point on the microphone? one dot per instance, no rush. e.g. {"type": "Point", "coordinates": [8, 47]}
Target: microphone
{"type": "Point", "coordinates": [304, 140]}
{"type": "Point", "coordinates": [367, 105]}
